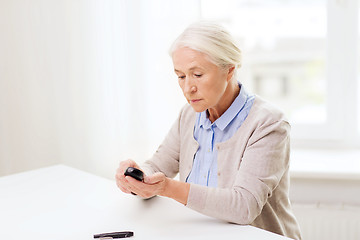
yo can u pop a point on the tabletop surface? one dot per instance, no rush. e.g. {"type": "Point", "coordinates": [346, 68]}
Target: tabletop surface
{"type": "Point", "coordinates": [59, 202]}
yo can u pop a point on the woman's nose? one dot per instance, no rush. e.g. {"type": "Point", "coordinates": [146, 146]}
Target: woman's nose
{"type": "Point", "coordinates": [189, 86]}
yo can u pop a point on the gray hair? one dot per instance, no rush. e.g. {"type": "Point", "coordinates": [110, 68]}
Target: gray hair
{"type": "Point", "coordinates": [211, 39]}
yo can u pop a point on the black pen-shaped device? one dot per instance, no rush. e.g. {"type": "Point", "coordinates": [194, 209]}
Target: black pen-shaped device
{"type": "Point", "coordinates": [114, 235]}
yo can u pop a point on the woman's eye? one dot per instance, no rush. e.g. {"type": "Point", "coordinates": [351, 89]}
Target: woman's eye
{"type": "Point", "coordinates": [181, 77]}
{"type": "Point", "coordinates": [198, 75]}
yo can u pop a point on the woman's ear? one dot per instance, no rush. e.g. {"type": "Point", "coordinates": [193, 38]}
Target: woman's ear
{"type": "Point", "coordinates": [230, 73]}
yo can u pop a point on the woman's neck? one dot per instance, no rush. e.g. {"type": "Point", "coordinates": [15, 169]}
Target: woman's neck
{"type": "Point", "coordinates": [231, 92]}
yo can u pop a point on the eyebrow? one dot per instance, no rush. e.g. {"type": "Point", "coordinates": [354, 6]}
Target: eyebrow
{"type": "Point", "coordinates": [190, 69]}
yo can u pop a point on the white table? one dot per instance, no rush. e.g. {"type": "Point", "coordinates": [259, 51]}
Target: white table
{"type": "Point", "coordinates": [59, 202]}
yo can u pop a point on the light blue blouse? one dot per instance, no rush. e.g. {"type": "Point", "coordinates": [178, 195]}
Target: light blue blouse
{"type": "Point", "coordinates": [207, 134]}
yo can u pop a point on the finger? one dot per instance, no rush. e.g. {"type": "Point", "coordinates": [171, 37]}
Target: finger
{"type": "Point", "coordinates": [123, 165]}
{"type": "Point", "coordinates": [128, 163]}
{"type": "Point", "coordinates": [155, 178]}
{"type": "Point", "coordinates": [124, 190]}
{"type": "Point", "coordinates": [141, 189]}
{"type": "Point", "coordinates": [122, 187]}
{"type": "Point", "coordinates": [136, 186]}
{"type": "Point", "coordinates": [133, 182]}
{"type": "Point", "coordinates": [122, 182]}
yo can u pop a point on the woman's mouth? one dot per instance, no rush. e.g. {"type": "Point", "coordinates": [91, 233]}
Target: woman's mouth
{"type": "Point", "coordinates": [194, 100]}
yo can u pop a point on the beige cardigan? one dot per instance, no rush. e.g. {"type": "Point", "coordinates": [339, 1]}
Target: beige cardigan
{"type": "Point", "coordinates": [253, 170]}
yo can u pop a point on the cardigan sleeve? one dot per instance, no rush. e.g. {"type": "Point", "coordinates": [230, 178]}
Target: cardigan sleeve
{"type": "Point", "coordinates": [264, 161]}
{"type": "Point", "coordinates": [166, 157]}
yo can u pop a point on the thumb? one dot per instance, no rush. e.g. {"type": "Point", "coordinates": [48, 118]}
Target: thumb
{"type": "Point", "coordinates": [155, 178]}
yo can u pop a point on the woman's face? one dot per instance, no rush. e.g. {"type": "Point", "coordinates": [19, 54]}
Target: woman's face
{"type": "Point", "coordinates": [203, 83]}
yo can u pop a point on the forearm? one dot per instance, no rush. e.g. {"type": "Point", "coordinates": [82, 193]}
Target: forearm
{"type": "Point", "coordinates": [176, 190]}
{"type": "Point", "coordinates": [234, 205]}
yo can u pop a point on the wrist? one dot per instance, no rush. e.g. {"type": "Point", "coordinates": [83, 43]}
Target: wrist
{"type": "Point", "coordinates": [176, 190]}
{"type": "Point", "coordinates": [166, 192]}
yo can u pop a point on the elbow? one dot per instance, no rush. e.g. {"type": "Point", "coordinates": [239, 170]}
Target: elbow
{"type": "Point", "coordinates": [244, 217]}
{"type": "Point", "coordinates": [245, 211]}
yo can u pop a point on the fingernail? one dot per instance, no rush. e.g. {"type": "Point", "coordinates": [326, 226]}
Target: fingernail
{"type": "Point", "coordinates": [146, 179]}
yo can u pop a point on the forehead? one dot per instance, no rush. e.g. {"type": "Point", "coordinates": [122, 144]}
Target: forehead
{"type": "Point", "coordinates": [185, 58]}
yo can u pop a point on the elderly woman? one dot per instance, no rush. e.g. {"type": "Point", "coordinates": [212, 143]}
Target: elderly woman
{"type": "Point", "coordinates": [230, 148]}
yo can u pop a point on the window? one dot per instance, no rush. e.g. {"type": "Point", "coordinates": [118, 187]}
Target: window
{"type": "Point", "coordinates": [300, 55]}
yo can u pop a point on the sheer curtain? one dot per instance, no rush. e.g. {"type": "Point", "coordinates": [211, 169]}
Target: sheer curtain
{"type": "Point", "coordinates": [33, 53]}
{"type": "Point", "coordinates": [87, 83]}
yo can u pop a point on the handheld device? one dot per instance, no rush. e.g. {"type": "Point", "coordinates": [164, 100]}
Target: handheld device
{"type": "Point", "coordinates": [135, 173]}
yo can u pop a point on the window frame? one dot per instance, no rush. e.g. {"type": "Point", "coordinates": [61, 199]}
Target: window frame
{"type": "Point", "coordinates": [342, 83]}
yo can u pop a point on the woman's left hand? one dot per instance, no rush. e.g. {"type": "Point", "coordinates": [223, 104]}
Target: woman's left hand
{"type": "Point", "coordinates": [153, 185]}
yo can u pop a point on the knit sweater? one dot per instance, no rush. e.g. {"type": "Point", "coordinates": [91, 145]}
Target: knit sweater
{"type": "Point", "coordinates": [253, 170]}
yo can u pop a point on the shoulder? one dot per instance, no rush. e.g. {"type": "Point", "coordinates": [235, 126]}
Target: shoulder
{"type": "Point", "coordinates": [187, 115]}
{"type": "Point", "coordinates": [265, 113]}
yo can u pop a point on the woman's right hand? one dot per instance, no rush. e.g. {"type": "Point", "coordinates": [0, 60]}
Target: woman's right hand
{"type": "Point", "coordinates": [121, 181]}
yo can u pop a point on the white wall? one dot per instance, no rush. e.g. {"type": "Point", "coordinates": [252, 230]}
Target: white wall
{"type": "Point", "coordinates": [28, 42]}
{"type": "Point", "coordinates": [86, 82]}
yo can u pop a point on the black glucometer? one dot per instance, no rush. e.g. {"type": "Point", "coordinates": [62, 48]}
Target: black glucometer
{"type": "Point", "coordinates": [135, 173]}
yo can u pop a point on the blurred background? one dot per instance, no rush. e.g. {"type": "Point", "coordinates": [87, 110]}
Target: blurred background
{"type": "Point", "coordinates": [90, 83]}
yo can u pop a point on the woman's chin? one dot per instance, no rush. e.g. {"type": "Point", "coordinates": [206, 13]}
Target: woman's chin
{"type": "Point", "coordinates": [198, 108]}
